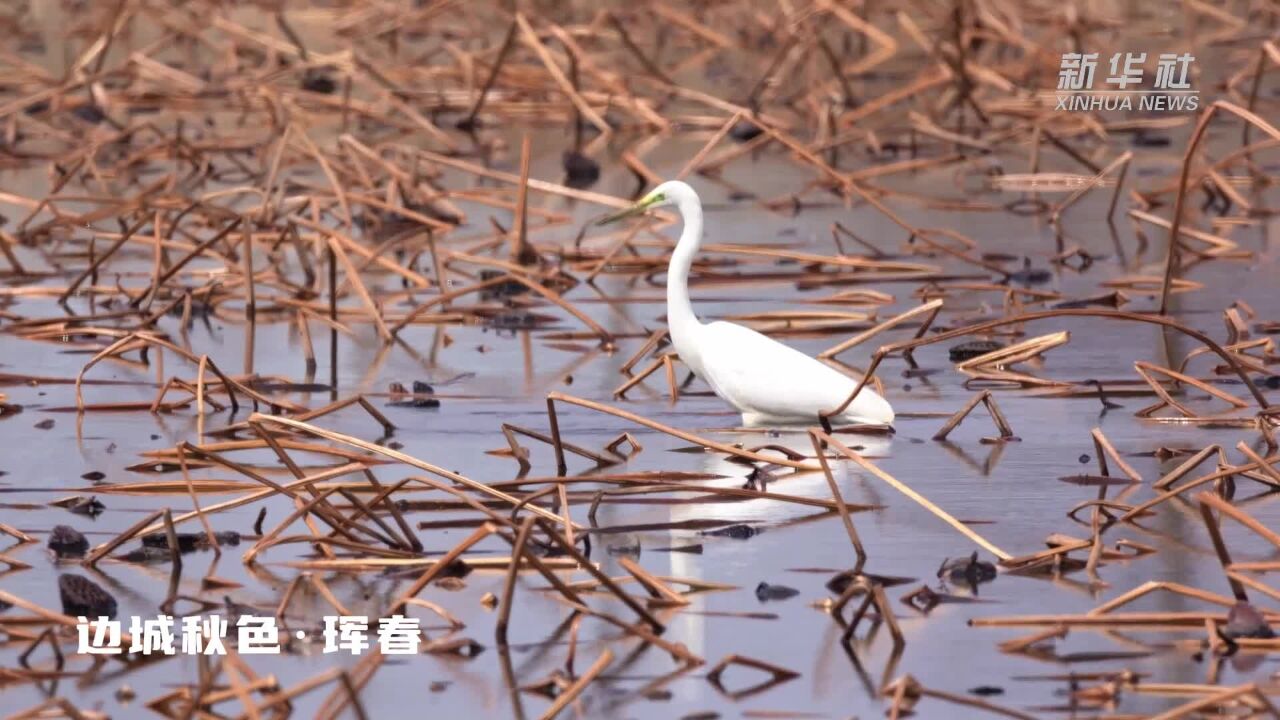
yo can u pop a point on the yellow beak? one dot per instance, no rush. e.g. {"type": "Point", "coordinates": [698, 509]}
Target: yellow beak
{"type": "Point", "coordinates": [637, 209]}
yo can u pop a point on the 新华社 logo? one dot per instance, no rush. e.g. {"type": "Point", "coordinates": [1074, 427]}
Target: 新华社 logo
{"type": "Point", "coordinates": [1123, 87]}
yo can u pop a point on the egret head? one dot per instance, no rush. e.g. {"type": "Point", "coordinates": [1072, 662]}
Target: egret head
{"type": "Point", "coordinates": [670, 192]}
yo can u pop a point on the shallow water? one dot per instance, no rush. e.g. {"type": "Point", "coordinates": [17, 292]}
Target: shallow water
{"type": "Point", "coordinates": [1010, 493]}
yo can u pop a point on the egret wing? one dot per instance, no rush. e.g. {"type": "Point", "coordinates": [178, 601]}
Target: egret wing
{"type": "Point", "coordinates": [760, 375]}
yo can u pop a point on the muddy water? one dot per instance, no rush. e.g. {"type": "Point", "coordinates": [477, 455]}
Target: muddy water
{"type": "Point", "coordinates": [1010, 493]}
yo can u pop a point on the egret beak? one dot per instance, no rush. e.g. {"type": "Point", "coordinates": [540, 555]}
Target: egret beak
{"type": "Point", "coordinates": [639, 208]}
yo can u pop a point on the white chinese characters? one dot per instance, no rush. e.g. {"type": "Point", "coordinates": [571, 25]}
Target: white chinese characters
{"type": "Point", "coordinates": [208, 635]}
{"type": "Point", "coordinates": [1130, 73]}
{"type": "Point", "coordinates": [100, 638]}
{"type": "Point", "coordinates": [1171, 71]}
{"type": "Point", "coordinates": [1077, 71]}
{"type": "Point", "coordinates": [1127, 85]}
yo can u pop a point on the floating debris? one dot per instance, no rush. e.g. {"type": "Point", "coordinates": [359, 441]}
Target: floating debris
{"type": "Point", "coordinates": [1031, 276]}
{"type": "Point", "coordinates": [190, 542]}
{"type": "Point", "coordinates": [973, 348]}
{"type": "Point", "coordinates": [1146, 138]}
{"type": "Point", "coordinates": [81, 596]}
{"type": "Point", "coordinates": [759, 479]}
{"type": "Point", "coordinates": [986, 690]}
{"type": "Point", "coordinates": [80, 505]}
{"type": "Point", "coordinates": [692, 549]}
{"type": "Point", "coordinates": [1244, 621]}
{"type": "Point", "coordinates": [745, 131]}
{"type": "Point", "coordinates": [147, 555]}
{"type": "Point", "coordinates": [970, 570]}
{"type": "Point", "coordinates": [737, 532]}
{"type": "Point", "coordinates": [67, 542]}
{"type": "Point", "coordinates": [769, 593]}
{"type": "Point", "coordinates": [319, 81]}
{"type": "Point", "coordinates": [580, 171]}
{"type": "Point", "coordinates": [419, 398]}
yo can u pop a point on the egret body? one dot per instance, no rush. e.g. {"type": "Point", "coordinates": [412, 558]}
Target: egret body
{"type": "Point", "coordinates": [768, 382]}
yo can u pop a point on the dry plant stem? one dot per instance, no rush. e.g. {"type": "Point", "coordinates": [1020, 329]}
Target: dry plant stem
{"type": "Point", "coordinates": [1150, 620]}
{"type": "Point", "coordinates": [1104, 449]}
{"type": "Point", "coordinates": [47, 614]}
{"type": "Point", "coordinates": [353, 695]}
{"type": "Point", "coordinates": [975, 703]}
{"type": "Point", "coordinates": [389, 535]}
{"type": "Point", "coordinates": [1146, 506]}
{"type": "Point", "coordinates": [336, 702]}
{"type": "Point", "coordinates": [1151, 587]}
{"type": "Point", "coordinates": [664, 361]}
{"type": "Point", "coordinates": [920, 499]}
{"type": "Point", "coordinates": [1022, 644]}
{"type": "Point", "coordinates": [171, 538]}
{"type": "Point", "coordinates": [513, 572]}
{"type": "Point", "coordinates": [880, 354]}
{"type": "Point", "coordinates": [571, 693]}
{"type": "Point", "coordinates": [677, 650]}
{"type": "Point", "coordinates": [818, 439]}
{"type": "Point", "coordinates": [930, 307]}
{"type": "Point", "coordinates": [706, 149]}
{"type": "Point", "coordinates": [384, 497]}
{"type": "Point", "coordinates": [97, 261]}
{"type": "Point", "coordinates": [323, 590]}
{"type": "Point", "coordinates": [687, 437]}
{"type": "Point", "coordinates": [983, 398]}
{"type": "Point", "coordinates": [353, 276]}
{"type": "Point", "coordinates": [16, 534]}
{"type": "Point", "coordinates": [399, 457]}
{"type": "Point", "coordinates": [557, 444]}
{"type": "Point", "coordinates": [443, 563]}
{"type": "Point", "coordinates": [520, 233]}
{"type": "Point", "coordinates": [563, 497]}
{"type": "Point", "coordinates": [573, 552]}
{"type": "Point", "coordinates": [1240, 516]}
{"type": "Point", "coordinates": [744, 493]}
{"type": "Point", "coordinates": [324, 511]}
{"type": "Point", "coordinates": [1120, 162]}
{"type": "Point", "coordinates": [655, 586]}
{"type": "Point", "coordinates": [1197, 135]}
{"type": "Point", "coordinates": [261, 494]}
{"type": "Point", "coordinates": [173, 269]}
{"type": "Point", "coordinates": [1186, 466]}
{"type": "Point", "coordinates": [134, 530]}
{"type": "Point", "coordinates": [1146, 370]}
{"type": "Point", "coordinates": [469, 121]}
{"type": "Point", "coordinates": [1265, 466]}
{"type": "Point", "coordinates": [1220, 547]}
{"type": "Point", "coordinates": [558, 75]}
{"type": "Point", "coordinates": [1224, 698]}
{"type": "Point", "coordinates": [545, 569]}
{"type": "Point", "coordinates": [605, 335]}
{"type": "Point", "coordinates": [266, 540]}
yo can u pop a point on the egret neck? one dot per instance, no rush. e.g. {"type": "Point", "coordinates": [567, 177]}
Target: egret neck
{"type": "Point", "coordinates": [681, 321]}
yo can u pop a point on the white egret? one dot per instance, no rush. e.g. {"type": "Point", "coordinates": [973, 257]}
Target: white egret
{"type": "Point", "coordinates": [768, 382]}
